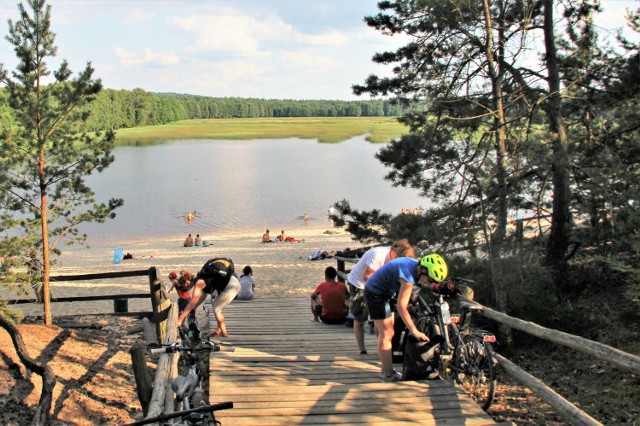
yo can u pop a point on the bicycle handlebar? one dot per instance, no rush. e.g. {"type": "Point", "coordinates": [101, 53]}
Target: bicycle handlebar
{"type": "Point", "coordinates": [202, 346]}
{"type": "Point", "coordinates": [169, 416]}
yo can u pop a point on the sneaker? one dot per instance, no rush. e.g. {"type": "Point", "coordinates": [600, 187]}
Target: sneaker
{"type": "Point", "coordinates": [395, 377]}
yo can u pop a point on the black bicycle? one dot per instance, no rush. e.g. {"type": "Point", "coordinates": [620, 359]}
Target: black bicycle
{"type": "Point", "coordinates": [455, 350]}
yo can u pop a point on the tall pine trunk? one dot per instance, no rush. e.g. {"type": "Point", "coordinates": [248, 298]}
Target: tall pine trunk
{"type": "Point", "coordinates": [560, 217]}
{"type": "Point", "coordinates": [498, 236]}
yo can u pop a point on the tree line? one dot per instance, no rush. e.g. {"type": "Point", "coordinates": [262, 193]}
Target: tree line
{"type": "Point", "coordinates": [116, 109]}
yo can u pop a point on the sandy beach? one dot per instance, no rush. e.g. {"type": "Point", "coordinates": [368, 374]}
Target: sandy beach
{"type": "Point", "coordinates": [280, 269]}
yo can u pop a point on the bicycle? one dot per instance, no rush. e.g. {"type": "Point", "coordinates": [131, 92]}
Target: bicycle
{"type": "Point", "coordinates": [464, 356]}
{"type": "Point", "coordinates": [190, 402]}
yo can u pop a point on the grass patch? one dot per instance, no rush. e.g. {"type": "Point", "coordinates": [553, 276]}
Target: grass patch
{"type": "Point", "coordinates": [325, 129]}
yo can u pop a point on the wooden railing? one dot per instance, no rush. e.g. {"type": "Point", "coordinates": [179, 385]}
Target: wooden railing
{"type": "Point", "coordinates": [569, 411]}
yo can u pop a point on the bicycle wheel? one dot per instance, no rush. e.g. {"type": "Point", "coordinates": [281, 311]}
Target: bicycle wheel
{"type": "Point", "coordinates": [477, 375]}
{"type": "Point", "coordinates": [199, 399]}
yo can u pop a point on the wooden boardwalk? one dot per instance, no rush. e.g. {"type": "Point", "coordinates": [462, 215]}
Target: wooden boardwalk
{"type": "Point", "coordinates": [288, 370]}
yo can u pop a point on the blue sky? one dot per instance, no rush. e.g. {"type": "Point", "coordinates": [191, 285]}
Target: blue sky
{"type": "Point", "coordinates": [284, 49]}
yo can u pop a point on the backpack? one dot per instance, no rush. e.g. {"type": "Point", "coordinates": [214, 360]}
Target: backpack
{"type": "Point", "coordinates": [216, 273]}
{"type": "Point", "coordinates": [420, 359]}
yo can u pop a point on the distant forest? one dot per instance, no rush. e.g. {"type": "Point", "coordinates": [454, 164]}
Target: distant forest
{"type": "Point", "coordinates": [117, 109]}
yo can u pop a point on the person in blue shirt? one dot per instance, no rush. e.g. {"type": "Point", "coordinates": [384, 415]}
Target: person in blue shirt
{"type": "Point", "coordinates": [396, 279]}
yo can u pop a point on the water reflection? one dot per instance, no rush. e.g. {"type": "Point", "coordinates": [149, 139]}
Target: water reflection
{"type": "Point", "coordinates": [238, 185]}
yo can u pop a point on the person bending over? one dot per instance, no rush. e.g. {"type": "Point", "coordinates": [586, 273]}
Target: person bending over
{"type": "Point", "coordinates": [398, 277]}
{"type": "Point", "coordinates": [370, 262]}
{"type": "Point", "coordinates": [217, 274]}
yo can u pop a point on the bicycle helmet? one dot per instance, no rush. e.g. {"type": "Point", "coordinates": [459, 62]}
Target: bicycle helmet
{"type": "Point", "coordinates": [436, 266]}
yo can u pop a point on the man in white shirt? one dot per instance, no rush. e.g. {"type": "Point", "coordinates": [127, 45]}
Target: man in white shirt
{"type": "Point", "coordinates": [370, 262]}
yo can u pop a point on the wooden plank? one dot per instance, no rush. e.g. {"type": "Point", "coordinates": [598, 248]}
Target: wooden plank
{"type": "Point", "coordinates": [288, 370]}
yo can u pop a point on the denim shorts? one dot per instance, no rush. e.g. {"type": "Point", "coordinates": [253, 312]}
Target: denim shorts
{"type": "Point", "coordinates": [378, 305]}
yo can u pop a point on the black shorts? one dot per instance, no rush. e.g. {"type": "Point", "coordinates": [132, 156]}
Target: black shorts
{"type": "Point", "coordinates": [357, 305]}
{"type": "Point", "coordinates": [378, 305]}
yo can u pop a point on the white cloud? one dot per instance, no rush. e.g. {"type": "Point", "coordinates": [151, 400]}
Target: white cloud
{"type": "Point", "coordinates": [313, 62]}
{"type": "Point", "coordinates": [148, 56]}
{"type": "Point", "coordinates": [329, 39]}
{"type": "Point", "coordinates": [137, 16]}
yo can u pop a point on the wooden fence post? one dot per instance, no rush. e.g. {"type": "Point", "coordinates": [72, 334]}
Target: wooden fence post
{"type": "Point", "coordinates": [340, 269]}
{"type": "Point", "coordinates": [160, 304]}
{"type": "Point", "coordinates": [167, 366]}
{"type": "Point", "coordinates": [142, 376]}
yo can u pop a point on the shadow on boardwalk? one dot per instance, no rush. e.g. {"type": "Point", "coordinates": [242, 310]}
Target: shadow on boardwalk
{"type": "Point", "coordinates": [288, 370]}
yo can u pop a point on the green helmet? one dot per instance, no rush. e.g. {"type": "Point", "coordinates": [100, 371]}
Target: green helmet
{"type": "Point", "coordinates": [436, 266]}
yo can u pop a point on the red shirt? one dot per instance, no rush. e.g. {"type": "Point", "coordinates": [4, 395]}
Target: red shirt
{"type": "Point", "coordinates": [333, 296]}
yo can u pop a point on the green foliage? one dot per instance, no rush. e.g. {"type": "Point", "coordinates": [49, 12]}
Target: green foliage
{"type": "Point", "coordinates": [325, 129]}
{"type": "Point", "coordinates": [43, 194]}
{"type": "Point", "coordinates": [122, 109]}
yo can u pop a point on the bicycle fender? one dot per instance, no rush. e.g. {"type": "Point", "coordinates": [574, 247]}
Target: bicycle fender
{"type": "Point", "coordinates": [183, 385]}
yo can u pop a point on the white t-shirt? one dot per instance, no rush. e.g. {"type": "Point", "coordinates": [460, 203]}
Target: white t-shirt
{"type": "Point", "coordinates": [246, 287]}
{"type": "Point", "coordinates": [373, 258]}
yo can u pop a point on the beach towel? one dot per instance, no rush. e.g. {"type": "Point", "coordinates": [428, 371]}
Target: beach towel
{"type": "Point", "coordinates": [117, 256]}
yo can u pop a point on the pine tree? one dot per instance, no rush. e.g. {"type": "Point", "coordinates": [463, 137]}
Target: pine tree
{"type": "Point", "coordinates": [43, 193]}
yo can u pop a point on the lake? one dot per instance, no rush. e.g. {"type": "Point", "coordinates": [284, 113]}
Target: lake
{"type": "Point", "coordinates": [239, 185]}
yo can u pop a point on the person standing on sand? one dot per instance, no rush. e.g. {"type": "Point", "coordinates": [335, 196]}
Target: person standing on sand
{"type": "Point", "coordinates": [217, 274]}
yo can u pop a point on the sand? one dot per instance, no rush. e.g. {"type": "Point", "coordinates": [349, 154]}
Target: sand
{"type": "Point", "coordinates": [280, 269]}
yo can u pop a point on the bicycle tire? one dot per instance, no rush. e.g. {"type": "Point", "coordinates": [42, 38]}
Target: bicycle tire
{"type": "Point", "coordinates": [478, 375]}
{"type": "Point", "coordinates": [199, 399]}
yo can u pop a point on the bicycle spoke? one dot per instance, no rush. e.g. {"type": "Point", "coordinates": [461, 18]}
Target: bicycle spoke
{"type": "Point", "coordinates": [477, 377]}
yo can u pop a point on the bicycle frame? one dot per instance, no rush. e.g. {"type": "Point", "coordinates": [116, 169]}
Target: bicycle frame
{"type": "Point", "coordinates": [189, 396]}
{"type": "Point", "coordinates": [464, 356]}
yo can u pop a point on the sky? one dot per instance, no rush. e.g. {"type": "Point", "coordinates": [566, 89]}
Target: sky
{"type": "Point", "coordinates": [272, 49]}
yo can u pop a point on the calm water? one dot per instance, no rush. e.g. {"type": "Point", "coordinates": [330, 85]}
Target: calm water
{"type": "Point", "coordinates": [239, 185]}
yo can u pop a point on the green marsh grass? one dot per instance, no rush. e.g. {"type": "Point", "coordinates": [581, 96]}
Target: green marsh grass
{"type": "Point", "coordinates": [325, 129]}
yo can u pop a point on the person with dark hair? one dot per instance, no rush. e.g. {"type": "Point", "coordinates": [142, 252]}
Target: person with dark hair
{"type": "Point", "coordinates": [183, 285]}
{"type": "Point", "coordinates": [329, 299]}
{"type": "Point", "coordinates": [217, 274]}
{"type": "Point", "coordinates": [247, 284]}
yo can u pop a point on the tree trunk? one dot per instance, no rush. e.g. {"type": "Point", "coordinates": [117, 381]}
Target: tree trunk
{"type": "Point", "coordinates": [498, 236]}
{"type": "Point", "coordinates": [560, 218]}
{"type": "Point", "coordinates": [48, 378]}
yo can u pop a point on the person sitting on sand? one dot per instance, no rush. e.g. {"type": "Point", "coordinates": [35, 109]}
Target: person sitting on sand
{"type": "Point", "coordinates": [198, 240]}
{"type": "Point", "coordinates": [282, 237]}
{"type": "Point", "coordinates": [188, 242]}
{"type": "Point", "coordinates": [329, 299]}
{"type": "Point", "coordinates": [247, 284]}
{"type": "Point", "coordinates": [266, 238]}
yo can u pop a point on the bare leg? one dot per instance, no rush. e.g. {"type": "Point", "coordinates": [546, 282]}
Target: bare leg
{"type": "Point", "coordinates": [358, 331]}
{"type": "Point", "coordinates": [314, 303]}
{"type": "Point", "coordinates": [222, 328]}
{"type": "Point", "coordinates": [385, 334]}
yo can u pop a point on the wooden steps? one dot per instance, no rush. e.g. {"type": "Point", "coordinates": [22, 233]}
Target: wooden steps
{"type": "Point", "coordinates": [288, 370]}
